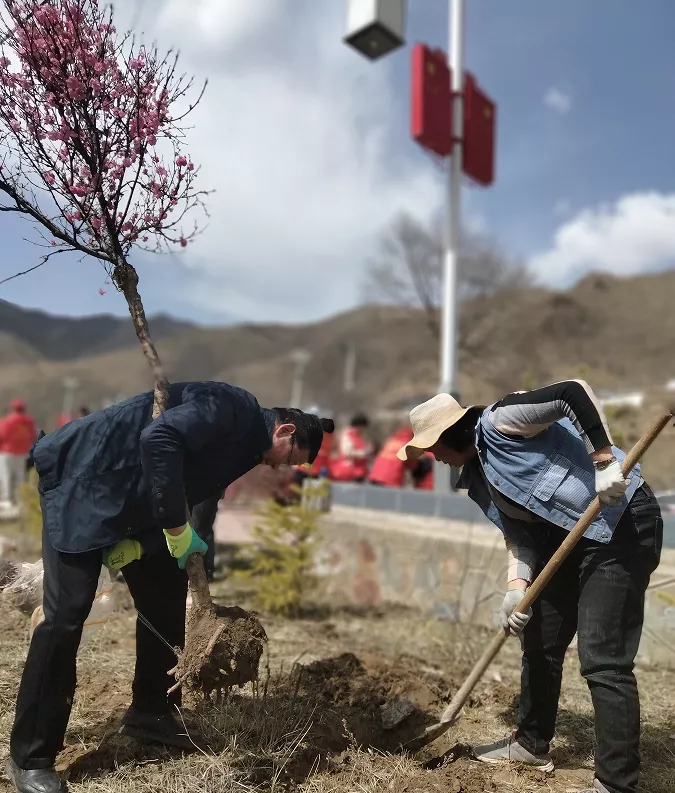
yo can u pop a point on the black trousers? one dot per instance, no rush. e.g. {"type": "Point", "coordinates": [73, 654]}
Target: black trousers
{"type": "Point", "coordinates": [159, 591]}
{"type": "Point", "coordinates": [599, 593]}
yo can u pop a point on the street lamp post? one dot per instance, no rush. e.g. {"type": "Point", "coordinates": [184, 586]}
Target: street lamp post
{"type": "Point", "coordinates": [443, 474]}
{"type": "Point", "coordinates": [379, 22]}
{"type": "Point", "coordinates": [70, 385]}
{"type": "Point", "coordinates": [300, 358]}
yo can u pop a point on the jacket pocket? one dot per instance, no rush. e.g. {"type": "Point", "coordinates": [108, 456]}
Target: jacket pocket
{"type": "Point", "coordinates": [552, 478]}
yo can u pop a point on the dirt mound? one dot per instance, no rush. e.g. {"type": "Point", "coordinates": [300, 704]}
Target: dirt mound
{"type": "Point", "coordinates": [350, 694]}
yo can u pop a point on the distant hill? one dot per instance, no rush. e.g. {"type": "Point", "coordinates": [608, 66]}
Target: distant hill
{"type": "Point", "coordinates": [67, 338]}
{"type": "Point", "coordinates": [616, 333]}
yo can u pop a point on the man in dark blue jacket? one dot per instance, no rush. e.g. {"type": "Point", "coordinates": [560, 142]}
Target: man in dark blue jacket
{"type": "Point", "coordinates": [113, 488]}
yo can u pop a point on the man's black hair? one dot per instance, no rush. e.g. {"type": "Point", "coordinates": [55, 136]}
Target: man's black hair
{"type": "Point", "coordinates": [359, 420]}
{"type": "Point", "coordinates": [461, 435]}
{"type": "Point", "coordinates": [309, 429]}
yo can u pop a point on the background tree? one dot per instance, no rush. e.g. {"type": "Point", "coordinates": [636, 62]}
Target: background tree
{"type": "Point", "coordinates": [408, 269]}
{"type": "Point", "coordinates": [91, 143]}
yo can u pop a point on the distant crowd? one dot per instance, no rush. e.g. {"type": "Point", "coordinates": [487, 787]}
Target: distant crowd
{"type": "Point", "coordinates": [349, 456]}
{"type": "Point", "coordinates": [18, 433]}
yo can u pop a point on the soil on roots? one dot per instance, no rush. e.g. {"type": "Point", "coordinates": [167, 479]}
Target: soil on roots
{"type": "Point", "coordinates": [206, 667]}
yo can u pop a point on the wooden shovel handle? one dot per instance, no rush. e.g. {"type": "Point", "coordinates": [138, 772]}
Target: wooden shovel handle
{"type": "Point", "coordinates": [591, 513]}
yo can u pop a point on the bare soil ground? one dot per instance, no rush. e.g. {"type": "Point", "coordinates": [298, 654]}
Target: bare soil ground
{"type": "Point", "coordinates": [314, 723]}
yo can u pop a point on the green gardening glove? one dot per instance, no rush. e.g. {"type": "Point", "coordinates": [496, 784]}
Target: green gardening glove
{"type": "Point", "coordinates": [183, 544]}
{"type": "Point", "coordinates": [118, 556]}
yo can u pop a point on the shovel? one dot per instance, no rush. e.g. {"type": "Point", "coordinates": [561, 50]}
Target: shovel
{"type": "Point", "coordinates": [451, 713]}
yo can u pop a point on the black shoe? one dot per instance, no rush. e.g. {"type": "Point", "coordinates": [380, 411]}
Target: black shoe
{"type": "Point", "coordinates": [158, 728]}
{"type": "Point", "coordinates": [38, 780]}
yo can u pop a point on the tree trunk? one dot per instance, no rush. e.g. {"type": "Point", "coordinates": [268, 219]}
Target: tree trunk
{"type": "Point", "coordinates": [126, 277]}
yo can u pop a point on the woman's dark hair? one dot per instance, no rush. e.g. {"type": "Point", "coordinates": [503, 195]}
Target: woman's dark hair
{"type": "Point", "coordinates": [359, 420]}
{"type": "Point", "coordinates": [309, 429]}
{"type": "Point", "coordinates": [461, 435]}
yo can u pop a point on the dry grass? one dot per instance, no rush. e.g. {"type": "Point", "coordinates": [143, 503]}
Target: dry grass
{"type": "Point", "coordinates": [308, 733]}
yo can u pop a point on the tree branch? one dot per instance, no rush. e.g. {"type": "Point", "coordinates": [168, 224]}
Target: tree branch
{"type": "Point", "coordinates": [42, 261]}
{"type": "Point", "coordinates": [27, 208]}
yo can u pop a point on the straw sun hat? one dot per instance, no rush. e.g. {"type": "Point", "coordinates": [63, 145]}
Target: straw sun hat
{"type": "Point", "coordinates": [429, 421]}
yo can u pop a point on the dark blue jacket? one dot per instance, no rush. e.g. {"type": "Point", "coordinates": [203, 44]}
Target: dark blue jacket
{"type": "Point", "coordinates": [116, 473]}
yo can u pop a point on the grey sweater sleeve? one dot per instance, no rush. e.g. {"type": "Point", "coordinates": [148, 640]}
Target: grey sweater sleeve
{"type": "Point", "coordinates": [522, 559]}
{"type": "Point", "coordinates": [527, 413]}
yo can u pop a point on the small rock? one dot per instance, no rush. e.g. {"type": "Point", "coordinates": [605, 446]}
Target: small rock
{"type": "Point", "coordinates": [395, 712]}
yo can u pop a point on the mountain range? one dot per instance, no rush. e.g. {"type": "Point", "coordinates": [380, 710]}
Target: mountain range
{"type": "Point", "coordinates": [619, 334]}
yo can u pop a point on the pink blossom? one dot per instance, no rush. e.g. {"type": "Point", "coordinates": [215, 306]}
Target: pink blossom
{"type": "Point", "coordinates": [101, 291]}
{"type": "Point", "coordinates": [96, 109]}
{"type": "Point", "coordinates": [75, 88]}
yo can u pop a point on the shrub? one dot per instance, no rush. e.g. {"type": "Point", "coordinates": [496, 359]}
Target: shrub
{"type": "Point", "coordinates": [282, 560]}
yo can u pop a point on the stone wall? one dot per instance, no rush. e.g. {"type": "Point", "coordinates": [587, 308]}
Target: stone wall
{"type": "Point", "coordinates": [452, 570]}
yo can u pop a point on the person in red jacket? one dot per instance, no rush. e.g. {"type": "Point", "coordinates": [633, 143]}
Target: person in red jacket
{"type": "Point", "coordinates": [17, 435]}
{"type": "Point", "coordinates": [351, 464]}
{"type": "Point", "coordinates": [388, 470]}
{"type": "Point", "coordinates": [321, 465]}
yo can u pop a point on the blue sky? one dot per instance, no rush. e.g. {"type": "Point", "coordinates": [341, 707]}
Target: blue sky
{"type": "Point", "coordinates": [307, 145]}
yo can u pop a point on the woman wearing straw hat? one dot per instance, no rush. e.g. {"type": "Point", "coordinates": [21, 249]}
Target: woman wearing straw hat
{"type": "Point", "coordinates": [533, 462]}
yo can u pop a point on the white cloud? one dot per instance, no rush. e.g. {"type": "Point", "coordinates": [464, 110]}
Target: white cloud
{"type": "Point", "coordinates": [635, 234]}
{"type": "Point", "coordinates": [558, 100]}
{"type": "Point", "coordinates": [293, 133]}
{"type": "Point", "coordinates": [220, 23]}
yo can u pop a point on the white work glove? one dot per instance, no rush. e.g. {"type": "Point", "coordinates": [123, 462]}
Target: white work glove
{"type": "Point", "coordinates": [517, 621]}
{"type": "Point", "coordinates": [610, 483]}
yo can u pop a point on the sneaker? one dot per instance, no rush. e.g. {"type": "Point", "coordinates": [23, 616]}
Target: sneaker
{"type": "Point", "coordinates": [159, 728]}
{"type": "Point", "coordinates": [39, 780]}
{"type": "Point", "coordinates": [508, 750]}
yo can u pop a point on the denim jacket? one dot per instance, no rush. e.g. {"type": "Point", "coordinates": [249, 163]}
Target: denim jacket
{"type": "Point", "coordinates": [550, 474]}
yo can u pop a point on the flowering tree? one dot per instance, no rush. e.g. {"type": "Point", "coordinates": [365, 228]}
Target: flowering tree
{"type": "Point", "coordinates": [91, 137]}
